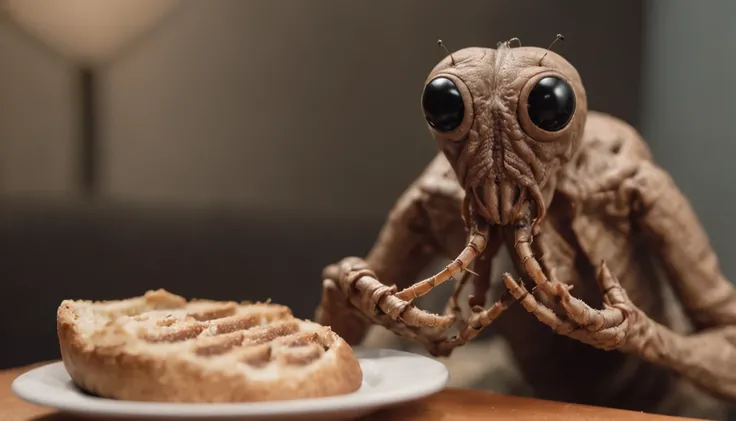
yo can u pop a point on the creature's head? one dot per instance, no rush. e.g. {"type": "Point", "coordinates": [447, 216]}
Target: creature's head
{"type": "Point", "coordinates": [507, 119]}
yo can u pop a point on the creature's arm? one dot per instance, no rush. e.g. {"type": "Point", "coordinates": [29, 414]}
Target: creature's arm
{"type": "Point", "coordinates": [425, 223]}
{"type": "Point", "coordinates": [707, 357]}
{"type": "Point", "coordinates": [430, 209]}
{"type": "Point", "coordinates": [665, 214]}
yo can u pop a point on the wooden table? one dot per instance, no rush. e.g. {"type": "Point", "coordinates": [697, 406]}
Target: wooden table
{"type": "Point", "coordinates": [448, 405]}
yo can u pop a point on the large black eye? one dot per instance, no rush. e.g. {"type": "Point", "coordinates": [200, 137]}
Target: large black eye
{"type": "Point", "coordinates": [443, 105]}
{"type": "Point", "coordinates": [551, 104]}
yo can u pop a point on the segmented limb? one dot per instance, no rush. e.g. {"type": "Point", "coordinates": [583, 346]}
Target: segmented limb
{"type": "Point", "coordinates": [480, 318]}
{"type": "Point", "coordinates": [334, 304]}
{"type": "Point", "coordinates": [707, 358]}
{"type": "Point", "coordinates": [605, 329]}
{"type": "Point", "coordinates": [357, 282]}
{"type": "Point", "coordinates": [425, 223]}
{"type": "Point", "coordinates": [476, 244]}
{"type": "Point", "coordinates": [379, 304]}
{"type": "Point", "coordinates": [376, 303]}
{"type": "Point", "coordinates": [481, 279]}
{"type": "Point", "coordinates": [522, 245]}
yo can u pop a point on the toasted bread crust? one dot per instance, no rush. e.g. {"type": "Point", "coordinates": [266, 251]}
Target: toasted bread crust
{"type": "Point", "coordinates": [118, 371]}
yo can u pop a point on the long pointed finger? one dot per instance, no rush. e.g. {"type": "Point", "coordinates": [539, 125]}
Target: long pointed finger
{"type": "Point", "coordinates": [522, 239]}
{"type": "Point", "coordinates": [607, 339]}
{"type": "Point", "coordinates": [482, 282]}
{"type": "Point", "coordinates": [613, 293]}
{"type": "Point", "coordinates": [480, 319]}
{"type": "Point", "coordinates": [592, 319]}
{"type": "Point", "coordinates": [541, 312]}
{"type": "Point", "coordinates": [369, 294]}
{"type": "Point", "coordinates": [540, 252]}
{"type": "Point", "coordinates": [416, 317]}
{"type": "Point", "coordinates": [476, 244]}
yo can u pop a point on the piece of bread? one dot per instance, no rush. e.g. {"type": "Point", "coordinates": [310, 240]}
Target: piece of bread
{"type": "Point", "coordinates": [159, 347]}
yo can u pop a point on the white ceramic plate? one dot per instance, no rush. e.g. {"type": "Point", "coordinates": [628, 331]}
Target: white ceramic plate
{"type": "Point", "coordinates": [389, 377]}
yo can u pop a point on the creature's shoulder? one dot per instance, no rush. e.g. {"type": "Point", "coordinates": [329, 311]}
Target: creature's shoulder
{"type": "Point", "coordinates": [608, 135]}
{"type": "Point", "coordinates": [609, 145]}
{"type": "Point", "coordinates": [439, 167]}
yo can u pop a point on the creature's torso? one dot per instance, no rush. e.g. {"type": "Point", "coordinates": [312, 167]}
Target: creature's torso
{"type": "Point", "coordinates": [586, 223]}
{"type": "Point", "coordinates": [583, 227]}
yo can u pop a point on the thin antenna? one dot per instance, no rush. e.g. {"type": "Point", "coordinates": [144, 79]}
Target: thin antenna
{"type": "Point", "coordinates": [559, 37]}
{"type": "Point", "coordinates": [442, 45]}
{"type": "Point", "coordinates": [514, 39]}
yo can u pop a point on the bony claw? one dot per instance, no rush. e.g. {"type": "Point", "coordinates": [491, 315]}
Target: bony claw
{"type": "Point", "coordinates": [367, 294]}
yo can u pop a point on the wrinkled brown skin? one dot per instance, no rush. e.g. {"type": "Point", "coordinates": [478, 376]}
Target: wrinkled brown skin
{"type": "Point", "coordinates": [596, 214]}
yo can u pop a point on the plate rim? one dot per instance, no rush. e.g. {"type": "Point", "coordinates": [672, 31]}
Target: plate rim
{"type": "Point", "coordinates": [322, 405]}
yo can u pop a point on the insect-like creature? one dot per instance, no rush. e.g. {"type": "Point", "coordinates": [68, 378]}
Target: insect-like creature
{"type": "Point", "coordinates": [588, 219]}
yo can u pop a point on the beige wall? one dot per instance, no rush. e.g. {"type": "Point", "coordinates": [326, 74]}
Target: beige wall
{"type": "Point", "coordinates": [689, 110]}
{"type": "Point", "coordinates": [36, 117]}
{"type": "Point", "coordinates": [295, 104]}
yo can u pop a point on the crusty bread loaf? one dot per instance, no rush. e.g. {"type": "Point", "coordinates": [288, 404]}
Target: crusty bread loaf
{"type": "Point", "coordinates": [159, 347]}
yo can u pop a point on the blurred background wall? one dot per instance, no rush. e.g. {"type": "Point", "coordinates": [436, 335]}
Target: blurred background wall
{"type": "Point", "coordinates": [37, 118]}
{"type": "Point", "coordinates": [688, 108]}
{"type": "Point", "coordinates": [239, 141]}
{"type": "Point", "coordinates": [284, 105]}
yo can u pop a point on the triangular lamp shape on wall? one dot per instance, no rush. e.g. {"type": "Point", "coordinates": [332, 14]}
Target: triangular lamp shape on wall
{"type": "Point", "coordinates": [87, 31]}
